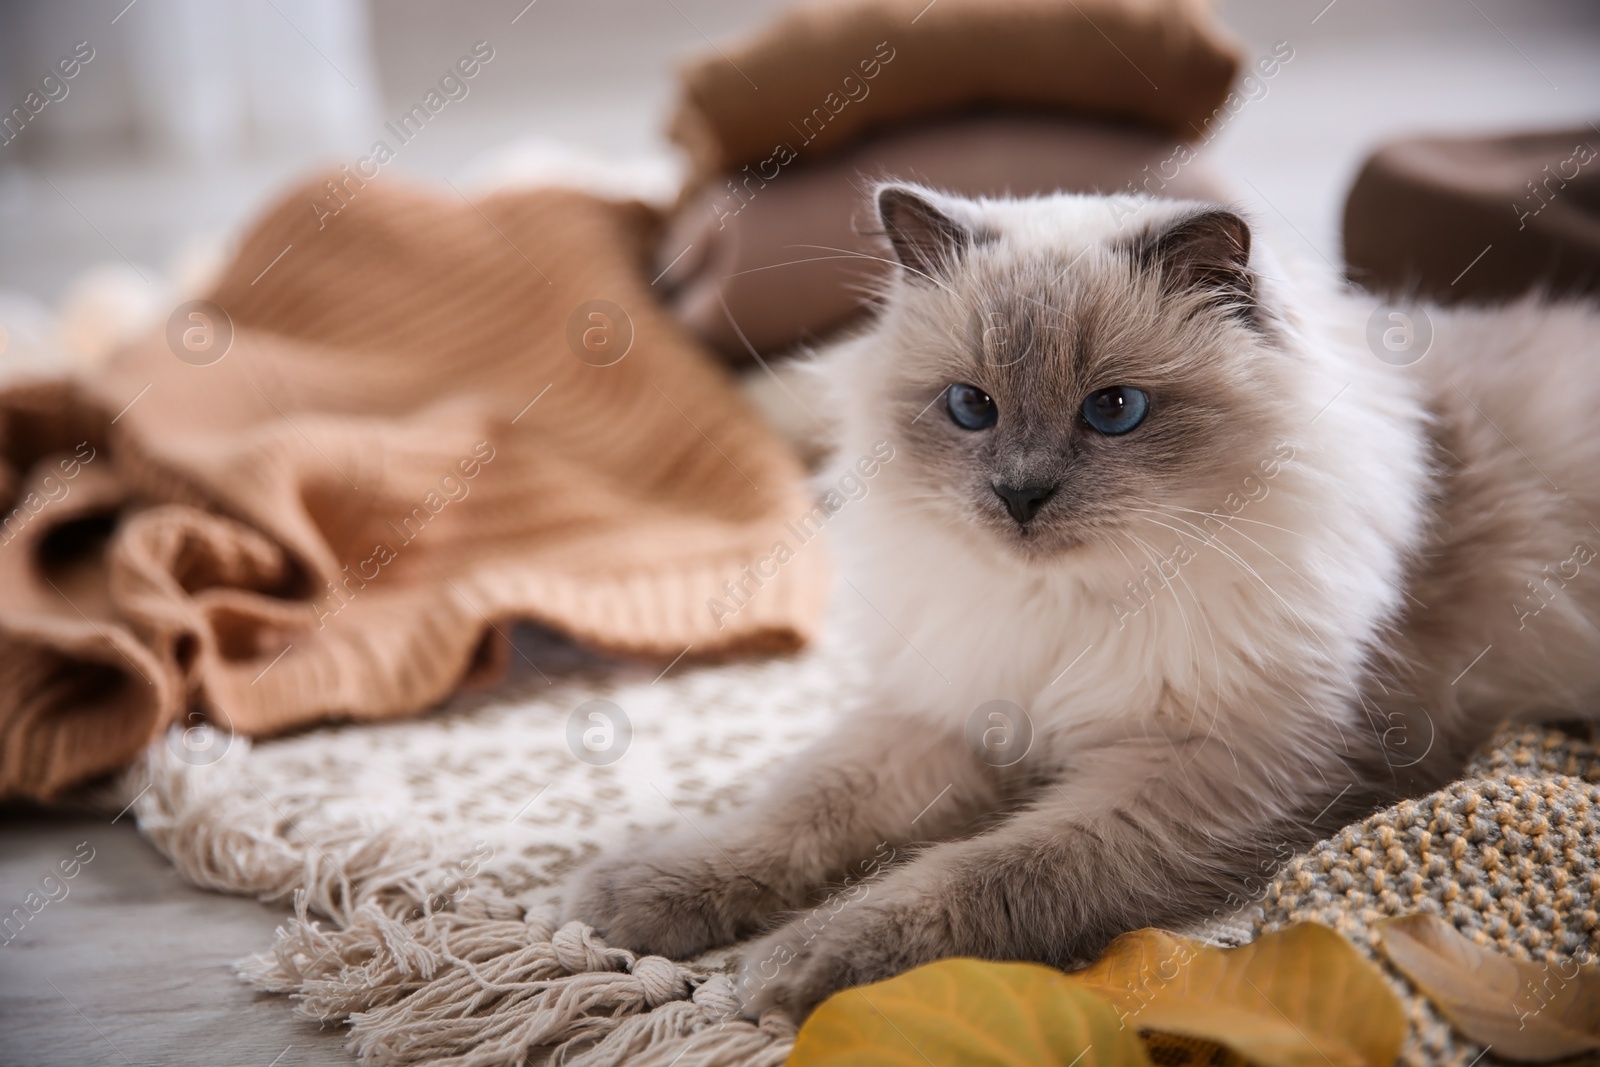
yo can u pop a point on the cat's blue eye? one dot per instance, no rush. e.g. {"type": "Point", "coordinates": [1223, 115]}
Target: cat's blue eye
{"type": "Point", "coordinates": [1116, 410]}
{"type": "Point", "coordinates": [970, 407]}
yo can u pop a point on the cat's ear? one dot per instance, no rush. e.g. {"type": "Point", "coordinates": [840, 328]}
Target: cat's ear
{"type": "Point", "coordinates": [1208, 251]}
{"type": "Point", "coordinates": [926, 240]}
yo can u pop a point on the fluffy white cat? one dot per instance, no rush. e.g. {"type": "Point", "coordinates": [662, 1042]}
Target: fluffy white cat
{"type": "Point", "coordinates": [1169, 576]}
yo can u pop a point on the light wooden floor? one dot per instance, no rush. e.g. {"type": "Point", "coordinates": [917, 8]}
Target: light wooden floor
{"type": "Point", "coordinates": [131, 967]}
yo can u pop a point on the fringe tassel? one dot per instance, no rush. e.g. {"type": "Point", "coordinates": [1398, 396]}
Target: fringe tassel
{"type": "Point", "coordinates": [483, 984]}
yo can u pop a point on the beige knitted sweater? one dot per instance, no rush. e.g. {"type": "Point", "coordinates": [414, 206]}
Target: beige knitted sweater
{"type": "Point", "coordinates": [395, 428]}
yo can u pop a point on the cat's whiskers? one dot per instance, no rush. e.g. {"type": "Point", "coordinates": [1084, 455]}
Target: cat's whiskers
{"type": "Point", "coordinates": [1244, 566]}
{"type": "Point", "coordinates": [1231, 519]}
{"type": "Point", "coordinates": [1275, 558]}
{"type": "Point", "coordinates": [1152, 555]}
{"type": "Point", "coordinates": [1216, 659]}
{"type": "Point", "coordinates": [847, 253]}
{"type": "Point", "coordinates": [1145, 721]}
{"type": "Point", "coordinates": [1237, 558]}
{"type": "Point", "coordinates": [1205, 538]}
{"type": "Point", "coordinates": [1300, 623]}
{"type": "Point", "coordinates": [1229, 526]}
{"type": "Point", "coordinates": [1205, 618]}
{"type": "Point", "coordinates": [785, 263]}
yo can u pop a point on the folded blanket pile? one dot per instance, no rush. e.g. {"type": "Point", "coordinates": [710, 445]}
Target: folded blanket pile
{"type": "Point", "coordinates": [398, 422]}
{"type": "Point", "coordinates": [786, 130]}
{"type": "Point", "coordinates": [825, 73]}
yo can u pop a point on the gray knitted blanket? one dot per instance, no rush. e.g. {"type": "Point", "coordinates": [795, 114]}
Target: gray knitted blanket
{"type": "Point", "coordinates": [1507, 854]}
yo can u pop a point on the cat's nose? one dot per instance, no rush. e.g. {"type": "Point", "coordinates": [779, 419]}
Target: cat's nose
{"type": "Point", "coordinates": [1024, 501]}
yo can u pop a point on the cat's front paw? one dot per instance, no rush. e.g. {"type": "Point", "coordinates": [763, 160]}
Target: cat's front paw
{"type": "Point", "coordinates": [668, 902]}
{"type": "Point", "coordinates": [812, 957]}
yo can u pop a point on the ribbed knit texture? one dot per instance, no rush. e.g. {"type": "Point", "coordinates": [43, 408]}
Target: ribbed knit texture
{"type": "Point", "coordinates": [260, 566]}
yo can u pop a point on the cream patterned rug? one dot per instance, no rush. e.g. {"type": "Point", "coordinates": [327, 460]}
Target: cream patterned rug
{"type": "Point", "coordinates": [423, 859]}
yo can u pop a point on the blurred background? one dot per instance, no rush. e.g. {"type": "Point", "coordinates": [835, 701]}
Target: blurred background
{"type": "Point", "coordinates": [191, 113]}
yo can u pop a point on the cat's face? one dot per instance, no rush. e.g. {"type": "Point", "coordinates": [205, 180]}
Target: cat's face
{"type": "Point", "coordinates": [1061, 381]}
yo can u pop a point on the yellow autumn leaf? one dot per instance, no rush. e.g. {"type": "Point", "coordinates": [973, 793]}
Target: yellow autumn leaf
{"type": "Point", "coordinates": [1535, 1012]}
{"type": "Point", "coordinates": [968, 1013]}
{"type": "Point", "coordinates": [1298, 997]}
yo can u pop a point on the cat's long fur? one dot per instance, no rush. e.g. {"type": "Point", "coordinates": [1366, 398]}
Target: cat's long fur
{"type": "Point", "coordinates": [1396, 560]}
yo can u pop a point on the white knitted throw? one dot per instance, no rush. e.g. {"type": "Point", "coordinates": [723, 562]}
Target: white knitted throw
{"type": "Point", "coordinates": [424, 859]}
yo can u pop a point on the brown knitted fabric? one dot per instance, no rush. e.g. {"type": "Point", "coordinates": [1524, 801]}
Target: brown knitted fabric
{"type": "Point", "coordinates": [339, 517]}
{"type": "Point", "coordinates": [826, 72]}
